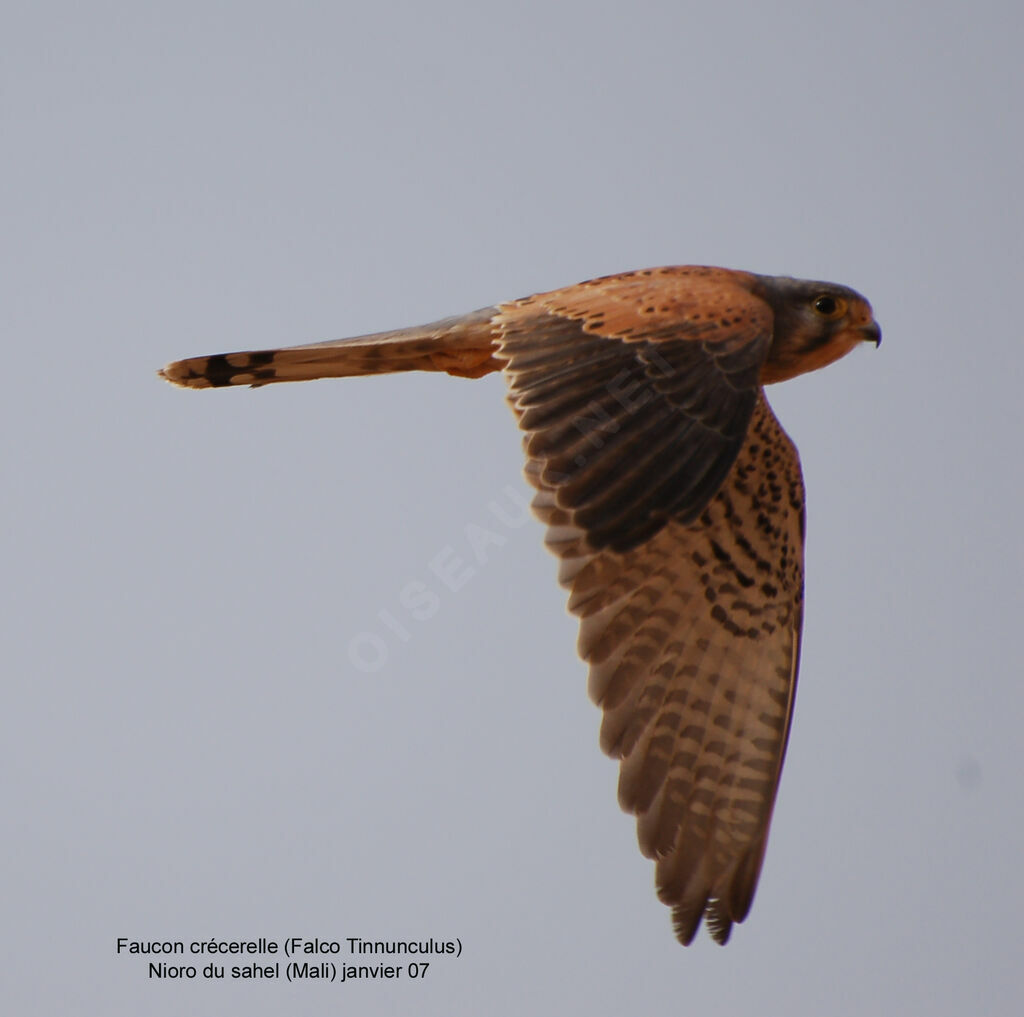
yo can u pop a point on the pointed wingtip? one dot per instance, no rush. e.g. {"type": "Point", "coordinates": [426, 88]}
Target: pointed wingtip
{"type": "Point", "coordinates": [685, 923]}
{"type": "Point", "coordinates": [718, 921]}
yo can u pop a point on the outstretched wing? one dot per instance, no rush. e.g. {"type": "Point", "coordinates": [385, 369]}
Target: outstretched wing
{"type": "Point", "coordinates": [678, 517]}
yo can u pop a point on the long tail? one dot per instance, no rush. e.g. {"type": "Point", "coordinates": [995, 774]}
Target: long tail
{"type": "Point", "coordinates": [464, 346]}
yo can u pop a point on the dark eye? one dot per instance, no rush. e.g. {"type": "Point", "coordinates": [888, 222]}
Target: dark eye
{"type": "Point", "coordinates": [829, 306]}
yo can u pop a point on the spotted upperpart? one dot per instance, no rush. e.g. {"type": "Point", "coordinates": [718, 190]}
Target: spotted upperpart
{"type": "Point", "coordinates": [691, 302]}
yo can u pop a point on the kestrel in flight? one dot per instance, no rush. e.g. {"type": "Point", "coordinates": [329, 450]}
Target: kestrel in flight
{"type": "Point", "coordinates": [675, 502]}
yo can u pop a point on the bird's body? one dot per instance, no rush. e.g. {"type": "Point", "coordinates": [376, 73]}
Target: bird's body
{"type": "Point", "coordinates": [674, 500]}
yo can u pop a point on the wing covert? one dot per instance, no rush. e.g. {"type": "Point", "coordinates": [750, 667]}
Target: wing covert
{"type": "Point", "coordinates": [639, 424]}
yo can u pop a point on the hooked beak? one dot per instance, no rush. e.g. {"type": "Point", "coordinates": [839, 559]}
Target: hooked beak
{"type": "Point", "coordinates": [872, 333]}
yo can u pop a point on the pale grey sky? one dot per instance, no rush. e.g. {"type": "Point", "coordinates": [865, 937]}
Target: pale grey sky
{"type": "Point", "coordinates": [189, 749]}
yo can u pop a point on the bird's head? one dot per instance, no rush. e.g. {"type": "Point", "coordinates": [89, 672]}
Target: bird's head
{"type": "Point", "coordinates": [815, 323]}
